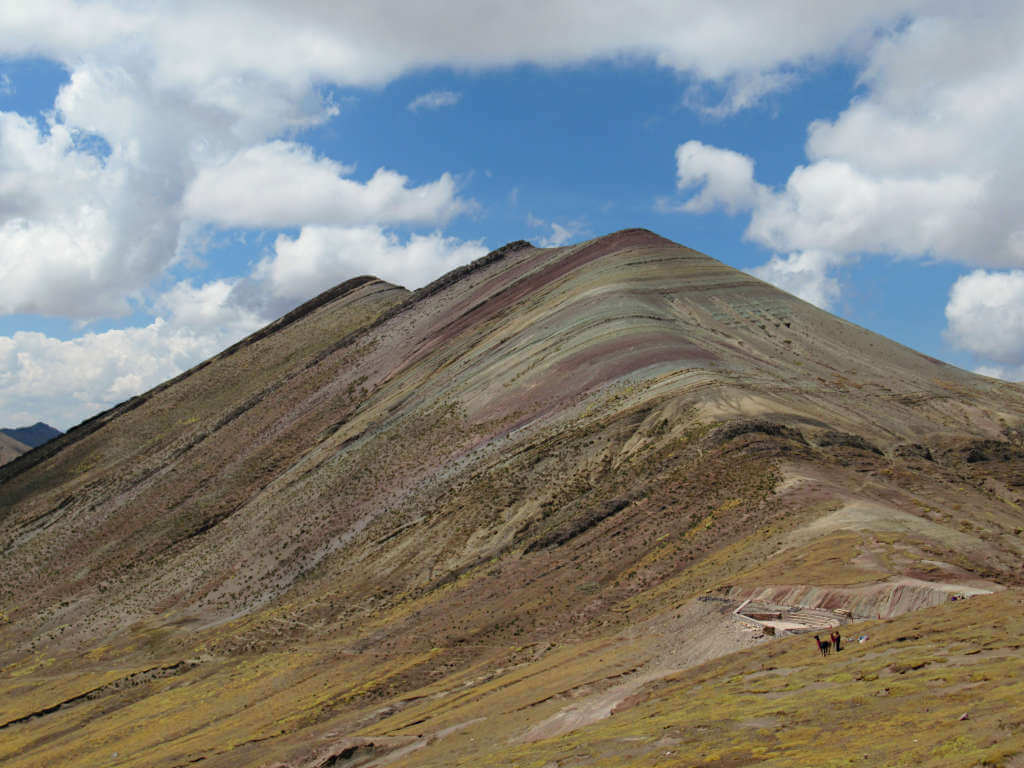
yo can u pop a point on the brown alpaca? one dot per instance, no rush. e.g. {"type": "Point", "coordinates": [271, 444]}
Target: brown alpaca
{"type": "Point", "coordinates": [823, 645]}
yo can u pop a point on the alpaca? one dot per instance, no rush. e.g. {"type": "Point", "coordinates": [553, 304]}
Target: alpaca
{"type": "Point", "coordinates": [823, 645]}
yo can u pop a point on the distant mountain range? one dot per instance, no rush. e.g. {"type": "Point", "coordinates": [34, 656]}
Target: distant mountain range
{"type": "Point", "coordinates": [37, 434]}
{"type": "Point", "coordinates": [14, 442]}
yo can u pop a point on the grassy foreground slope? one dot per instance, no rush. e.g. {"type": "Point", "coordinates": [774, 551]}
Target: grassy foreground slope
{"type": "Point", "coordinates": [897, 699]}
{"type": "Point", "coordinates": [469, 524]}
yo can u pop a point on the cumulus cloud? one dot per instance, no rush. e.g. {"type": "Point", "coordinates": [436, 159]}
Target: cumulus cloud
{"type": "Point", "coordinates": [434, 100]}
{"type": "Point", "coordinates": [56, 227]}
{"type": "Point", "coordinates": [936, 134]}
{"type": "Point", "coordinates": [64, 382]}
{"type": "Point", "coordinates": [323, 256]}
{"type": "Point", "coordinates": [742, 91]}
{"type": "Point", "coordinates": [282, 184]}
{"type": "Point", "coordinates": [208, 308]}
{"type": "Point", "coordinates": [804, 274]}
{"type": "Point", "coordinates": [985, 316]}
{"type": "Point", "coordinates": [724, 178]}
{"type": "Point", "coordinates": [90, 200]}
{"type": "Point", "coordinates": [190, 96]}
{"type": "Point", "coordinates": [834, 205]}
{"type": "Point", "coordinates": [923, 163]}
{"type": "Point", "coordinates": [560, 234]}
{"type": "Point", "coordinates": [195, 44]}
{"type": "Point", "coordinates": [83, 231]}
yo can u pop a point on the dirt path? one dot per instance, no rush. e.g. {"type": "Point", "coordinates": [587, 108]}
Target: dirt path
{"type": "Point", "coordinates": [695, 633]}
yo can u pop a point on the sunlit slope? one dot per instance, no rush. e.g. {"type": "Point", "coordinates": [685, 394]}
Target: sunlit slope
{"type": "Point", "coordinates": [10, 448]}
{"type": "Point", "coordinates": [939, 688]}
{"type": "Point", "coordinates": [482, 500]}
{"type": "Point", "coordinates": [119, 495]}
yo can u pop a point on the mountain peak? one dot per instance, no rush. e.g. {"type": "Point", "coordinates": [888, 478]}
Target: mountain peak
{"type": "Point", "coordinates": [33, 436]}
{"type": "Point", "coordinates": [392, 517]}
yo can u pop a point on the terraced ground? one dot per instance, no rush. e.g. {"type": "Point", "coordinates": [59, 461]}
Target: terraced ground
{"type": "Point", "coordinates": [506, 520]}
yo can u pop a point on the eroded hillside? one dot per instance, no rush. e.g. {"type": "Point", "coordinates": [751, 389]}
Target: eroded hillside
{"type": "Point", "coordinates": [467, 524]}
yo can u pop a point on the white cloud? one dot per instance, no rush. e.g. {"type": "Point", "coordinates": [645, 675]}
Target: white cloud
{"type": "Point", "coordinates": [208, 309]}
{"type": "Point", "coordinates": [196, 44]}
{"type": "Point", "coordinates": [84, 232]}
{"type": "Point", "coordinates": [55, 224]}
{"type": "Point", "coordinates": [725, 178]}
{"type": "Point", "coordinates": [323, 256]}
{"type": "Point", "coordinates": [985, 316]}
{"type": "Point", "coordinates": [64, 382]}
{"type": "Point", "coordinates": [925, 162]}
{"type": "Point", "coordinates": [434, 100]}
{"type": "Point", "coordinates": [80, 234]}
{"type": "Point", "coordinates": [188, 94]}
{"type": "Point", "coordinates": [6, 86]}
{"type": "Point", "coordinates": [835, 206]}
{"type": "Point", "coordinates": [804, 274]}
{"type": "Point", "coordinates": [56, 28]}
{"type": "Point", "coordinates": [1006, 373]}
{"type": "Point", "coordinates": [560, 235]}
{"type": "Point", "coordinates": [994, 372]}
{"type": "Point", "coordinates": [281, 184]}
{"type": "Point", "coordinates": [944, 106]}
{"type": "Point", "coordinates": [742, 92]}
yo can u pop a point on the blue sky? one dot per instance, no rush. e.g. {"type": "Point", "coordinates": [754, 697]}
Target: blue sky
{"type": "Point", "coordinates": [162, 194]}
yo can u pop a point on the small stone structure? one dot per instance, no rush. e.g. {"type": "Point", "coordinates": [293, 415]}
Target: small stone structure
{"type": "Point", "coordinates": [780, 619]}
